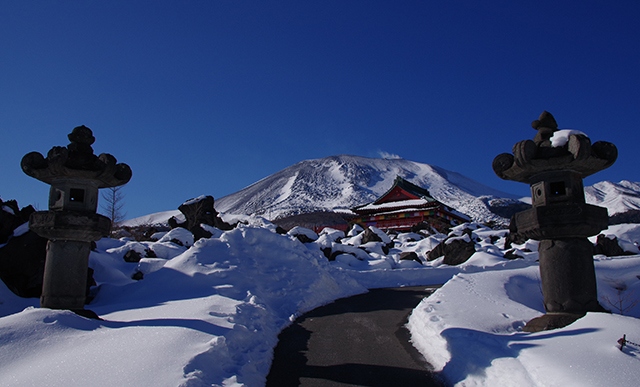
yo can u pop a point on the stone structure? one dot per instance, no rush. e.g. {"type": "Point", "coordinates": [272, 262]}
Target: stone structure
{"type": "Point", "coordinates": [560, 219]}
{"type": "Point", "coordinates": [71, 224]}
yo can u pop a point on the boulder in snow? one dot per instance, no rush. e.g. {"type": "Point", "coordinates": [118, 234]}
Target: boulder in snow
{"type": "Point", "coordinates": [609, 246]}
{"type": "Point", "coordinates": [410, 256]}
{"type": "Point", "coordinates": [456, 250]}
{"type": "Point", "coordinates": [199, 211]}
{"type": "Point", "coordinates": [11, 217]}
{"type": "Point", "coordinates": [373, 234]}
{"type": "Point", "coordinates": [179, 236]}
{"type": "Point", "coordinates": [303, 234]}
{"type": "Point", "coordinates": [355, 230]}
{"type": "Point", "coordinates": [22, 264]}
{"type": "Point", "coordinates": [132, 256]}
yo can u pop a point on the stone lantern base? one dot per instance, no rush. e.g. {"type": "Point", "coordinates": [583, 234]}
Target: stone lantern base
{"type": "Point", "coordinates": [568, 283]}
{"type": "Point", "coordinates": [568, 276]}
{"type": "Point", "coordinates": [65, 271]}
{"type": "Point", "coordinates": [65, 292]}
{"type": "Point", "coordinates": [551, 321]}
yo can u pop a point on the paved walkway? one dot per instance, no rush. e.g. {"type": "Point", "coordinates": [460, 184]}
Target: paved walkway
{"type": "Point", "coordinates": [355, 341]}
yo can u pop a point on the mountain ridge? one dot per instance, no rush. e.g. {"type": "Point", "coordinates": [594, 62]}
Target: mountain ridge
{"type": "Point", "coordinates": [616, 197]}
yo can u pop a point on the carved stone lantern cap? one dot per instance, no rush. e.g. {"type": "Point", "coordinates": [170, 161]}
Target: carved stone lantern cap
{"type": "Point", "coordinates": [77, 161]}
{"type": "Point", "coordinates": [531, 158]}
{"type": "Point", "coordinates": [546, 125]}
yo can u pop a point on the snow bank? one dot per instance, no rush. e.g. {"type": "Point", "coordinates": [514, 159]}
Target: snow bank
{"type": "Point", "coordinates": [209, 316]}
{"type": "Point", "coordinates": [470, 332]}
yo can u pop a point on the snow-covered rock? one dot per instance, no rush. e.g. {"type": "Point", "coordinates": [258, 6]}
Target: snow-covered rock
{"type": "Point", "coordinates": [178, 234]}
{"type": "Point", "coordinates": [309, 234]}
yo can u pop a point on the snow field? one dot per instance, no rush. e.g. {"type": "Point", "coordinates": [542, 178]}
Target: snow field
{"type": "Point", "coordinates": [208, 313]}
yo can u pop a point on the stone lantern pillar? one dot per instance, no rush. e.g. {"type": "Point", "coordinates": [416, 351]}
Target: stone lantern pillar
{"type": "Point", "coordinates": [71, 223]}
{"type": "Point", "coordinates": [560, 219]}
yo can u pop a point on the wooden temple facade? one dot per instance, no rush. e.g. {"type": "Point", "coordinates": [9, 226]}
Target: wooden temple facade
{"type": "Point", "coordinates": [403, 206]}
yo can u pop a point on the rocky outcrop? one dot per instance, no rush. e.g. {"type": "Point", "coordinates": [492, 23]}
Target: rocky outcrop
{"type": "Point", "coordinates": [455, 249]}
{"type": "Point", "coordinates": [11, 217]}
{"type": "Point", "coordinates": [609, 246]}
{"type": "Point", "coordinates": [199, 211]}
{"type": "Point", "coordinates": [22, 264]}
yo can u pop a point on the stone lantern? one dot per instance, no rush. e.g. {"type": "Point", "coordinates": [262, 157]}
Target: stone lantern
{"type": "Point", "coordinates": [559, 218]}
{"type": "Point", "coordinates": [71, 223]}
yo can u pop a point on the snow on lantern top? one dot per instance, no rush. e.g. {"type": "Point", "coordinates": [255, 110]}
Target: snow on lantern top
{"type": "Point", "coordinates": [547, 153]}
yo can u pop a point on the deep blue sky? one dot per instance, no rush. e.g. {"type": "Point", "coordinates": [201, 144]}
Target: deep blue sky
{"type": "Point", "coordinates": [207, 97]}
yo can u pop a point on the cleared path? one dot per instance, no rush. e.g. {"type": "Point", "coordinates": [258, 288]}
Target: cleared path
{"type": "Point", "coordinates": [355, 341]}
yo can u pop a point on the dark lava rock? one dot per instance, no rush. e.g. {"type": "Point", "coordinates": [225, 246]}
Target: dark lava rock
{"type": "Point", "coordinates": [410, 256]}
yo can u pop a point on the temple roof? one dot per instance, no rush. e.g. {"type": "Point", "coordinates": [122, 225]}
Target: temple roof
{"type": "Point", "coordinates": [401, 194]}
{"type": "Point", "coordinates": [409, 188]}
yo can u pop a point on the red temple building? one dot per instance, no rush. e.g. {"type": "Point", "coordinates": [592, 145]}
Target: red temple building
{"type": "Point", "coordinates": [403, 206]}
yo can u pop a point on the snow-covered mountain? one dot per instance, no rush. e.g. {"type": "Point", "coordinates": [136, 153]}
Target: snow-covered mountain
{"type": "Point", "coordinates": [341, 182]}
{"type": "Point", "coordinates": [338, 183]}
{"type": "Point", "coordinates": [616, 197]}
